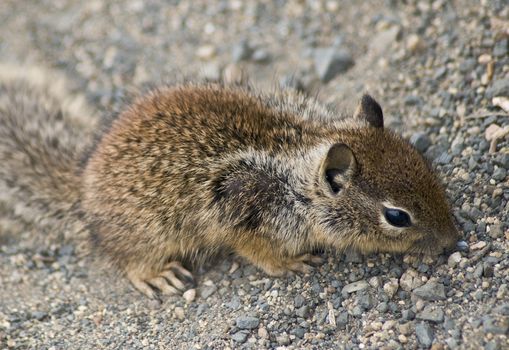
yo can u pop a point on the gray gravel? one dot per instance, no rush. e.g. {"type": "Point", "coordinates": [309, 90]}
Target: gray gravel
{"type": "Point", "coordinates": [437, 67]}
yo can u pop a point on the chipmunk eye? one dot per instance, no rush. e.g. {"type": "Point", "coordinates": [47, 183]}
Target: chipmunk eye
{"type": "Point", "coordinates": [397, 217]}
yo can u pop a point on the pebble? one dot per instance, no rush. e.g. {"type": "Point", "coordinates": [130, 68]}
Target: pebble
{"type": "Point", "coordinates": [211, 71]}
{"type": "Point", "coordinates": [240, 336]}
{"type": "Point", "coordinates": [207, 290]}
{"type": "Point", "coordinates": [355, 287]}
{"type": "Point", "coordinates": [495, 231]}
{"type": "Point", "coordinates": [478, 245]}
{"type": "Point", "coordinates": [410, 280]}
{"type": "Point", "coordinates": [189, 295]}
{"type": "Point", "coordinates": [498, 88]}
{"type": "Point", "coordinates": [329, 62]}
{"type": "Point", "coordinates": [241, 51]}
{"type": "Point", "coordinates": [424, 334]}
{"type": "Point", "coordinates": [454, 259]}
{"type": "Point", "coordinates": [502, 160]}
{"type": "Point", "coordinates": [431, 313]}
{"type": "Point", "coordinates": [179, 313]}
{"type": "Point", "coordinates": [384, 40]}
{"type": "Point", "coordinates": [206, 52]}
{"type": "Point", "coordinates": [390, 288]}
{"type": "Point", "coordinates": [262, 333]}
{"type": "Point", "coordinates": [431, 291]}
{"type": "Point", "coordinates": [302, 311]}
{"type": "Point", "coordinates": [247, 322]}
{"type": "Point", "coordinates": [260, 56]}
{"type": "Point", "coordinates": [283, 339]}
{"type": "Point", "coordinates": [298, 301]}
{"type": "Point", "coordinates": [421, 141]}
{"type": "Point", "coordinates": [408, 315]}
{"type": "Point", "coordinates": [414, 43]}
{"type": "Point", "coordinates": [495, 325]}
{"type": "Point", "coordinates": [499, 174]}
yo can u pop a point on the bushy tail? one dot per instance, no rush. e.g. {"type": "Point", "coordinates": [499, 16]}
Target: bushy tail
{"type": "Point", "coordinates": [44, 130]}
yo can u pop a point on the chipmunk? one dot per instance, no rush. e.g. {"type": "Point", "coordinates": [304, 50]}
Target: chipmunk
{"type": "Point", "coordinates": [188, 171]}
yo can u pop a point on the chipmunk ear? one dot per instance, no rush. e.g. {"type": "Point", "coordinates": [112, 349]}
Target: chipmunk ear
{"type": "Point", "coordinates": [337, 167]}
{"type": "Point", "coordinates": [370, 111]}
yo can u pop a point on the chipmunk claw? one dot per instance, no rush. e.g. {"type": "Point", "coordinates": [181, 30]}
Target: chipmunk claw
{"type": "Point", "coordinates": [172, 280]}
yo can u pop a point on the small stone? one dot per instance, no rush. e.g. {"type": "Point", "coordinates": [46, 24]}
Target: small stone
{"type": "Point", "coordinates": [478, 245]}
{"type": "Point", "coordinates": [247, 322]}
{"type": "Point", "coordinates": [342, 320]}
{"type": "Point", "coordinates": [298, 332]}
{"type": "Point", "coordinates": [462, 246]}
{"type": "Point", "coordinates": [189, 295]}
{"type": "Point", "coordinates": [382, 307]}
{"type": "Point", "coordinates": [491, 131]}
{"type": "Point", "coordinates": [495, 231]}
{"type": "Point", "coordinates": [411, 100]}
{"type": "Point", "coordinates": [298, 301]}
{"type": "Point", "coordinates": [240, 336]}
{"type": "Point", "coordinates": [262, 333]}
{"type": "Point", "coordinates": [431, 291]}
{"type": "Point", "coordinates": [498, 88]}
{"type": "Point", "coordinates": [454, 259]}
{"type": "Point", "coordinates": [211, 71]}
{"type": "Point", "coordinates": [484, 58]}
{"type": "Point", "coordinates": [206, 52]}
{"type": "Point", "coordinates": [207, 291]}
{"type": "Point", "coordinates": [502, 102]}
{"type": "Point", "coordinates": [302, 311]}
{"type": "Point", "coordinates": [502, 160]}
{"type": "Point", "coordinates": [414, 43]}
{"type": "Point", "coordinates": [410, 280]}
{"type": "Point", "coordinates": [408, 315]}
{"type": "Point", "coordinates": [467, 65]}
{"type": "Point", "coordinates": [241, 51]}
{"type": "Point", "coordinates": [179, 313]}
{"type": "Point", "coordinates": [39, 315]}
{"type": "Point", "coordinates": [283, 339]}
{"type": "Point", "coordinates": [501, 48]}
{"type": "Point", "coordinates": [499, 174]}
{"type": "Point", "coordinates": [391, 287]}
{"type": "Point", "coordinates": [424, 334]}
{"type": "Point", "coordinates": [260, 56]}
{"type": "Point", "coordinates": [329, 62]}
{"type": "Point", "coordinates": [431, 313]}
{"type": "Point", "coordinates": [495, 325]}
{"type": "Point", "coordinates": [421, 141]}
{"type": "Point", "coordinates": [233, 74]}
{"type": "Point", "coordinates": [384, 40]}
{"type": "Point", "coordinates": [355, 287]}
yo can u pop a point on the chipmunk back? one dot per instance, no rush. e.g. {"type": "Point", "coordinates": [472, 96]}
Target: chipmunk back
{"type": "Point", "coordinates": [188, 171]}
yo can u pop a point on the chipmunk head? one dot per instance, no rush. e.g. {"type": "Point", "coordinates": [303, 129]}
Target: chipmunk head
{"type": "Point", "coordinates": [376, 192]}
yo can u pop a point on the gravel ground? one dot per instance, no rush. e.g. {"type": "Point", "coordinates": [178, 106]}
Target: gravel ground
{"type": "Point", "coordinates": [439, 68]}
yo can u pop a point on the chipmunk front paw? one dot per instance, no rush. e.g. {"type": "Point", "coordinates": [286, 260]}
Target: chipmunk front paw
{"type": "Point", "coordinates": [304, 263]}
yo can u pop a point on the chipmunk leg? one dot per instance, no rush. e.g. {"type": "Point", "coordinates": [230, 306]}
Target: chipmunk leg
{"type": "Point", "coordinates": [165, 281]}
{"type": "Point", "coordinates": [262, 254]}
{"type": "Point", "coordinates": [303, 263]}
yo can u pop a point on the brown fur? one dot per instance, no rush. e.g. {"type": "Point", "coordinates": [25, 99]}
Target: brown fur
{"type": "Point", "coordinates": [187, 171]}
{"type": "Point", "coordinates": [192, 170]}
